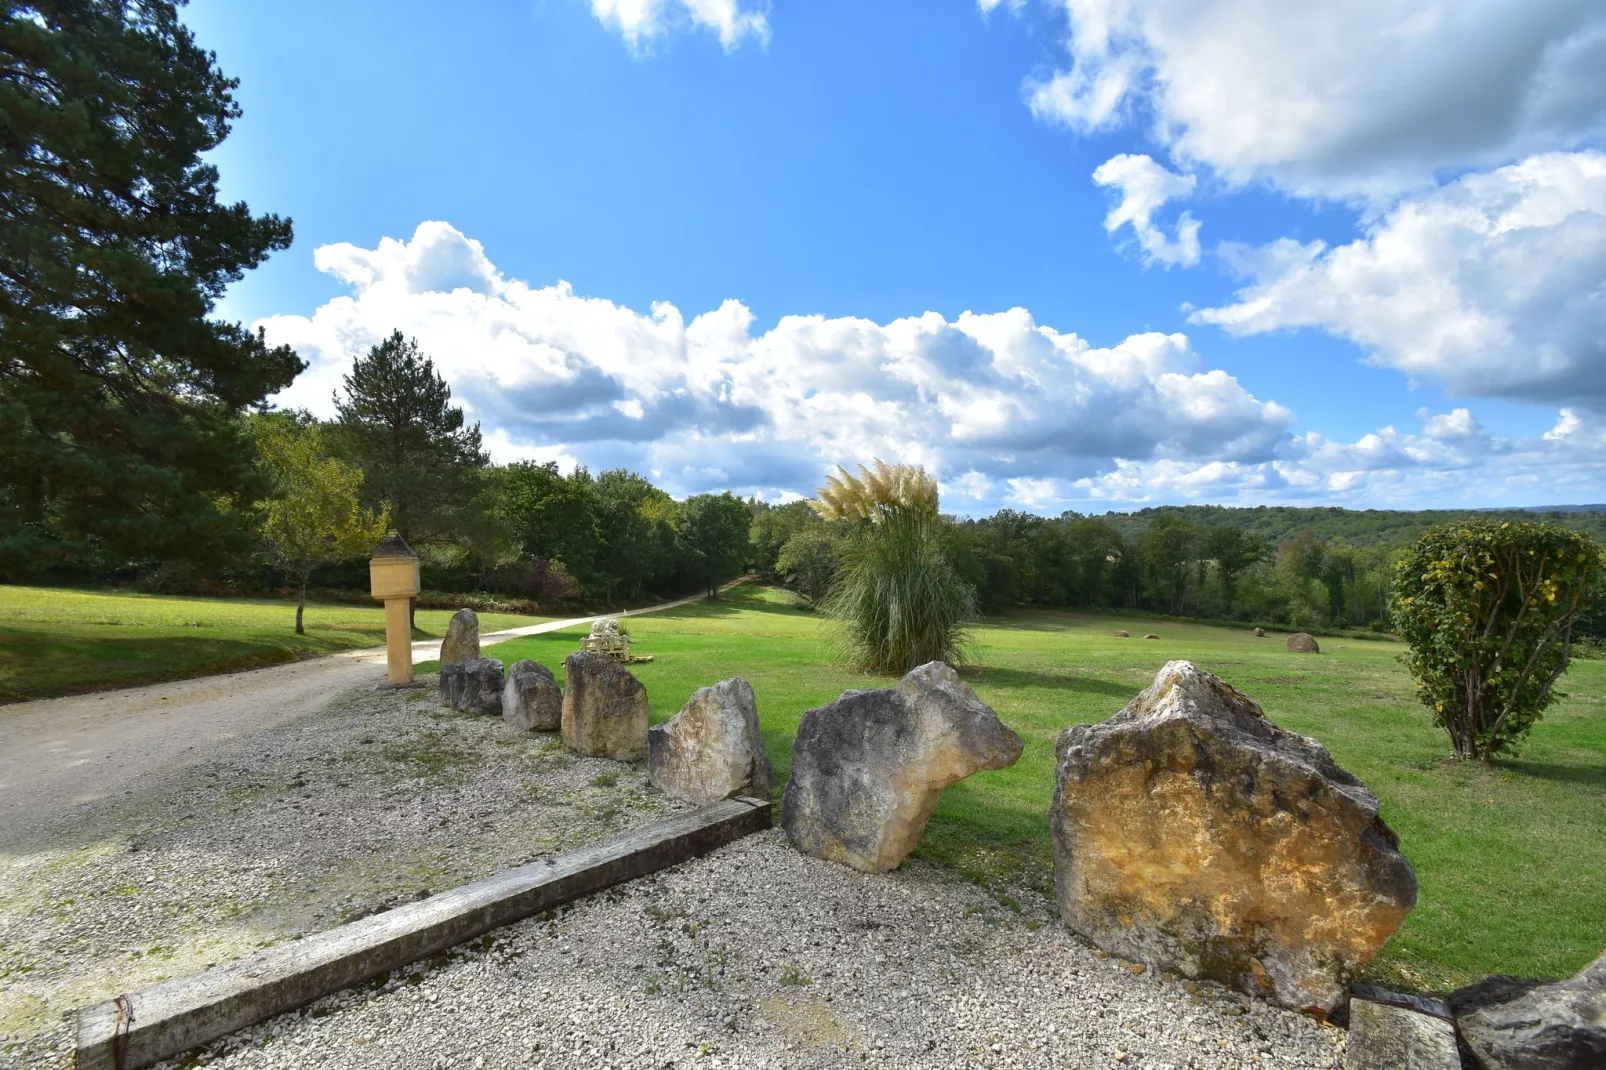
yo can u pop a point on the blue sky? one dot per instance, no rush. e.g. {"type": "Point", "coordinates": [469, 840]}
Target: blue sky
{"type": "Point", "coordinates": [831, 186]}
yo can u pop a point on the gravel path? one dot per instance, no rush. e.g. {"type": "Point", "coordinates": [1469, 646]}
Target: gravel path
{"type": "Point", "coordinates": [377, 799]}
{"type": "Point", "coordinates": [756, 957]}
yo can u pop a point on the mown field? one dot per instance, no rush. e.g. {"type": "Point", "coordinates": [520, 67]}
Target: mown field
{"type": "Point", "coordinates": [58, 642]}
{"type": "Point", "coordinates": [1512, 860]}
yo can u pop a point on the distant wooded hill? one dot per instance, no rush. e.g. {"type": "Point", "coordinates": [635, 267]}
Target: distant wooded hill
{"type": "Point", "coordinates": [1351, 527]}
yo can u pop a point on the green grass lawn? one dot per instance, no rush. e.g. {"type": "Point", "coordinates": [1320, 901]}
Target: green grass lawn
{"type": "Point", "coordinates": [1512, 860]}
{"type": "Point", "coordinates": [57, 642]}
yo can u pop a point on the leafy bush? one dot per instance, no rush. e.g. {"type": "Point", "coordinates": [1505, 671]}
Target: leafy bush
{"type": "Point", "coordinates": [1489, 609]}
{"type": "Point", "coordinates": [900, 602]}
{"type": "Point", "coordinates": [809, 561]}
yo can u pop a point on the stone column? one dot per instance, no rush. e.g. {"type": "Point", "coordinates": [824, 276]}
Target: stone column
{"type": "Point", "coordinates": [393, 578]}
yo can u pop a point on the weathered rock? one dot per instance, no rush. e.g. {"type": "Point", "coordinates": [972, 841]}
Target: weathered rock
{"type": "Point", "coordinates": [1303, 643]}
{"type": "Point", "coordinates": [712, 749]}
{"type": "Point", "coordinates": [1260, 633]}
{"type": "Point", "coordinates": [1122, 634]}
{"type": "Point", "coordinates": [604, 708]}
{"type": "Point", "coordinates": [868, 769]}
{"type": "Point", "coordinates": [462, 642]}
{"type": "Point", "coordinates": [473, 686]}
{"type": "Point", "coordinates": [1192, 834]}
{"type": "Point", "coordinates": [1510, 1024]}
{"type": "Point", "coordinates": [1396, 1035]}
{"type": "Point", "coordinates": [531, 698]}
{"type": "Point", "coordinates": [1151, 635]}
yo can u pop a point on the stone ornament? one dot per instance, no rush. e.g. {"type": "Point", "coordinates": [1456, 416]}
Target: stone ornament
{"type": "Point", "coordinates": [1193, 834]}
{"type": "Point", "coordinates": [462, 642]}
{"type": "Point", "coordinates": [604, 708]}
{"type": "Point", "coordinates": [473, 686]}
{"type": "Point", "coordinates": [712, 749]}
{"type": "Point", "coordinates": [531, 698]}
{"type": "Point", "coordinates": [868, 770]}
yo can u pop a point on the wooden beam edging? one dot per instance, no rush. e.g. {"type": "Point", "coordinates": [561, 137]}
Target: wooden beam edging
{"type": "Point", "coordinates": [186, 1012]}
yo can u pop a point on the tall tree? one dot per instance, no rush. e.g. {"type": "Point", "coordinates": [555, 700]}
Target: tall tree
{"type": "Point", "coordinates": [314, 517]}
{"type": "Point", "coordinates": [119, 397]}
{"type": "Point", "coordinates": [635, 533]}
{"type": "Point", "coordinates": [713, 532]}
{"type": "Point", "coordinates": [397, 422]}
{"type": "Point", "coordinates": [551, 515]}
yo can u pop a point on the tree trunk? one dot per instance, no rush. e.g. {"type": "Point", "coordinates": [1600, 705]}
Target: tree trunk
{"type": "Point", "coordinates": [412, 617]}
{"type": "Point", "coordinates": [301, 607]}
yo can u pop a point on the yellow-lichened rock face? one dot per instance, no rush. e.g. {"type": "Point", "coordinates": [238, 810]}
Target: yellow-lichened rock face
{"type": "Point", "coordinates": [1193, 834]}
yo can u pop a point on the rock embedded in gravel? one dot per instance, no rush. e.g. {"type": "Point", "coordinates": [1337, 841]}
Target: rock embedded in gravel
{"type": "Point", "coordinates": [1510, 1024]}
{"type": "Point", "coordinates": [473, 686]}
{"type": "Point", "coordinates": [1303, 643]}
{"type": "Point", "coordinates": [531, 698]}
{"type": "Point", "coordinates": [868, 770]}
{"type": "Point", "coordinates": [1193, 834]}
{"type": "Point", "coordinates": [604, 708]}
{"type": "Point", "coordinates": [462, 642]}
{"type": "Point", "coordinates": [712, 749]}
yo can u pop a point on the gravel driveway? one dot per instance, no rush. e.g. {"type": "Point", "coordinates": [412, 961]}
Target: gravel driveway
{"type": "Point", "coordinates": [377, 798]}
{"type": "Point", "coordinates": [757, 956]}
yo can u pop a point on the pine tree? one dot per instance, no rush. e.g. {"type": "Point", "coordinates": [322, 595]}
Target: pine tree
{"type": "Point", "coordinates": [119, 397]}
{"type": "Point", "coordinates": [398, 424]}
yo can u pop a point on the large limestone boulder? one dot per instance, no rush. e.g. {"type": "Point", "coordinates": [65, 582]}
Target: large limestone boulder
{"type": "Point", "coordinates": [462, 642]}
{"type": "Point", "coordinates": [1303, 643]}
{"type": "Point", "coordinates": [1192, 834]}
{"type": "Point", "coordinates": [868, 769]}
{"type": "Point", "coordinates": [712, 749]}
{"type": "Point", "coordinates": [473, 686]}
{"type": "Point", "coordinates": [531, 698]}
{"type": "Point", "coordinates": [604, 708]}
{"type": "Point", "coordinates": [1509, 1024]}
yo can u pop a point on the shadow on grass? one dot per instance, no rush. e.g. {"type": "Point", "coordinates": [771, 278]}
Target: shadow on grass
{"type": "Point", "coordinates": [1593, 775]}
{"type": "Point", "coordinates": [988, 675]}
{"type": "Point", "coordinates": [990, 841]}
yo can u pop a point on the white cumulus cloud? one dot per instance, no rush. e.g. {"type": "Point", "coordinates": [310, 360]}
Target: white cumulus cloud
{"type": "Point", "coordinates": [639, 22]}
{"type": "Point", "coordinates": [1003, 409]}
{"type": "Point", "coordinates": [1494, 285]}
{"type": "Point", "coordinates": [1367, 98]}
{"type": "Point", "coordinates": [1145, 187]}
{"type": "Point", "coordinates": [986, 400]}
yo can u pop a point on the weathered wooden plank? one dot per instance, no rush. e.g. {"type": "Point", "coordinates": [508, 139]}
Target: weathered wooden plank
{"type": "Point", "coordinates": [181, 1014]}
